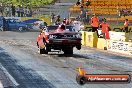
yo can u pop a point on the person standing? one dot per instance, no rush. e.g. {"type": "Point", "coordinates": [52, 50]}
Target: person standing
{"type": "Point", "coordinates": [126, 24]}
{"type": "Point", "coordinates": [21, 10]}
{"type": "Point", "coordinates": [7, 10]}
{"type": "Point", "coordinates": [105, 29]}
{"type": "Point", "coordinates": [78, 2]}
{"type": "Point", "coordinates": [27, 11]}
{"type": "Point", "coordinates": [13, 8]}
{"type": "Point", "coordinates": [30, 12]}
{"type": "Point", "coordinates": [57, 22]}
{"type": "Point", "coordinates": [87, 3]}
{"type": "Point", "coordinates": [52, 17]}
{"type": "Point", "coordinates": [2, 9]}
{"type": "Point", "coordinates": [95, 24]}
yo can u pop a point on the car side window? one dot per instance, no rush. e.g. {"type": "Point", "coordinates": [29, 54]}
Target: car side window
{"type": "Point", "coordinates": [11, 21]}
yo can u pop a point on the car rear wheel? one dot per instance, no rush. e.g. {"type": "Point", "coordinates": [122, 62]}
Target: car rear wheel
{"type": "Point", "coordinates": [78, 47]}
{"type": "Point", "coordinates": [20, 28]}
{"type": "Point", "coordinates": [1, 28]}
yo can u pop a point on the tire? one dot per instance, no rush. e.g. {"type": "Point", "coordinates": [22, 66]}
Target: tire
{"type": "Point", "coordinates": [20, 28]}
{"type": "Point", "coordinates": [68, 51]}
{"type": "Point", "coordinates": [1, 28]}
{"type": "Point", "coordinates": [78, 47]}
{"type": "Point", "coordinates": [44, 50]}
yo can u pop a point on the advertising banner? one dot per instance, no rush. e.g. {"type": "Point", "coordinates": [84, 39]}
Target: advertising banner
{"type": "Point", "coordinates": [119, 46]}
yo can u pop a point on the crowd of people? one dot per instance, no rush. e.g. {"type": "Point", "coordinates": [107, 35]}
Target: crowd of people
{"type": "Point", "coordinates": [56, 20]}
{"type": "Point", "coordinates": [9, 10]}
{"type": "Point", "coordinates": [125, 12]}
{"type": "Point", "coordinates": [83, 16]}
{"type": "Point", "coordinates": [105, 28]}
{"type": "Point", "coordinates": [95, 23]}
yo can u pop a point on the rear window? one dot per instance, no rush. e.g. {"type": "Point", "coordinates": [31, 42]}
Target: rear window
{"type": "Point", "coordinates": [53, 28]}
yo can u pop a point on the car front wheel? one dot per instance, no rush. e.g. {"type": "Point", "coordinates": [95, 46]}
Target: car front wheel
{"type": "Point", "coordinates": [45, 49]}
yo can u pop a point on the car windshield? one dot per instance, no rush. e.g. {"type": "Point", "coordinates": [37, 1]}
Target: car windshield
{"type": "Point", "coordinates": [17, 20]}
{"type": "Point", "coordinates": [53, 28]}
{"type": "Point", "coordinates": [14, 20]}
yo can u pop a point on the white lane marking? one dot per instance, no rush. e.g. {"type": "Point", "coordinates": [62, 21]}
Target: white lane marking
{"type": "Point", "coordinates": [1, 85]}
{"type": "Point", "coordinates": [9, 76]}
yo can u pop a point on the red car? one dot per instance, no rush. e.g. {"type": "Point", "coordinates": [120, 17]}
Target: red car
{"type": "Point", "coordinates": [65, 41]}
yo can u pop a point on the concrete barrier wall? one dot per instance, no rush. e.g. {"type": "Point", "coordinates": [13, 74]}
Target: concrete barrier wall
{"type": "Point", "coordinates": [91, 39]}
{"type": "Point", "coordinates": [102, 43]}
{"type": "Point", "coordinates": [114, 44]}
{"type": "Point", "coordinates": [83, 37]}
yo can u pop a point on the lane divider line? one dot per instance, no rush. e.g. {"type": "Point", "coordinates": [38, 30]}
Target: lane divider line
{"type": "Point", "coordinates": [15, 84]}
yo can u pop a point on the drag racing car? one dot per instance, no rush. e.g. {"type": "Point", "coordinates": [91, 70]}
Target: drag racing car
{"type": "Point", "coordinates": [65, 41]}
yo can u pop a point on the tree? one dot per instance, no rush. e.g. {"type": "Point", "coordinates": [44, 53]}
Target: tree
{"type": "Point", "coordinates": [29, 2]}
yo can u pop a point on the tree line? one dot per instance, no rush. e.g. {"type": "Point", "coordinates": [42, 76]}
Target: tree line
{"type": "Point", "coordinates": [28, 2]}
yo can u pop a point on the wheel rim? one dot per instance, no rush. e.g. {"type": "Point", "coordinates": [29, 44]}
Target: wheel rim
{"type": "Point", "coordinates": [20, 28]}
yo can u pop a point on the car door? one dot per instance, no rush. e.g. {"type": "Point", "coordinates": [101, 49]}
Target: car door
{"type": "Point", "coordinates": [12, 24]}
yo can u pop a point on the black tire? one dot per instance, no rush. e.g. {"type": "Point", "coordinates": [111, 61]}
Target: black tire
{"type": "Point", "coordinates": [78, 47]}
{"type": "Point", "coordinates": [20, 28]}
{"type": "Point", "coordinates": [68, 51]}
{"type": "Point", "coordinates": [43, 51]}
{"type": "Point", "coordinates": [81, 80]}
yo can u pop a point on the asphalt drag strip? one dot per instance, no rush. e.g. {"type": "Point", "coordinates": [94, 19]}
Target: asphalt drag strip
{"type": "Point", "coordinates": [26, 78]}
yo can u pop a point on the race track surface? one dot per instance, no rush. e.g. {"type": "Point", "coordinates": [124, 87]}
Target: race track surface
{"type": "Point", "coordinates": [29, 69]}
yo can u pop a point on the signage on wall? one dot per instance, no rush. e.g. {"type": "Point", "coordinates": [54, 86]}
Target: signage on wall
{"type": "Point", "coordinates": [118, 46]}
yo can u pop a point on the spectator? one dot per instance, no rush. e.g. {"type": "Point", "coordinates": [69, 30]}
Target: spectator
{"type": "Point", "coordinates": [30, 12]}
{"type": "Point", "coordinates": [21, 10]}
{"type": "Point", "coordinates": [18, 11]}
{"type": "Point", "coordinates": [86, 17]}
{"type": "Point", "coordinates": [52, 17]}
{"type": "Point", "coordinates": [126, 24]}
{"type": "Point", "coordinates": [78, 2]}
{"type": "Point", "coordinates": [105, 29]}
{"type": "Point", "coordinates": [7, 10]}
{"type": "Point", "coordinates": [81, 16]}
{"type": "Point", "coordinates": [125, 12]}
{"type": "Point", "coordinates": [2, 9]}
{"type": "Point", "coordinates": [87, 3]}
{"type": "Point", "coordinates": [64, 21]}
{"type": "Point", "coordinates": [57, 22]}
{"type": "Point", "coordinates": [95, 24]}
{"type": "Point", "coordinates": [13, 8]}
{"type": "Point", "coordinates": [27, 12]}
{"type": "Point", "coordinates": [81, 7]}
{"type": "Point", "coordinates": [67, 22]}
